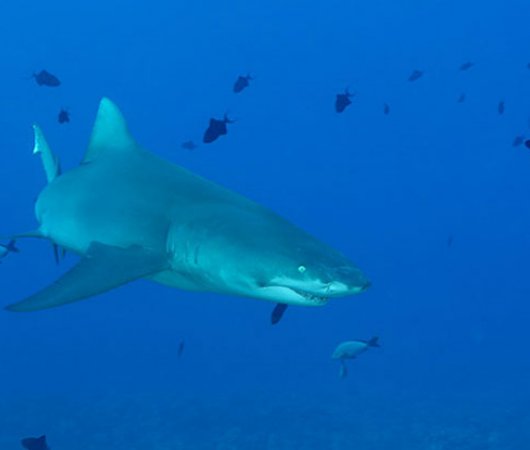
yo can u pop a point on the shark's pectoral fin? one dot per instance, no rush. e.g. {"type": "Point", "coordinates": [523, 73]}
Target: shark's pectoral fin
{"type": "Point", "coordinates": [277, 312]}
{"type": "Point", "coordinates": [103, 268]}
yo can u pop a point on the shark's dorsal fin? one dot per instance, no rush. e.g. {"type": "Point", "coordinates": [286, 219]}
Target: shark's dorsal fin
{"type": "Point", "coordinates": [103, 268]}
{"type": "Point", "coordinates": [110, 133]}
{"type": "Point", "coordinates": [49, 160]}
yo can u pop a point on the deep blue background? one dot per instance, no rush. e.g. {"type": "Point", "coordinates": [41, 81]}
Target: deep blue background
{"type": "Point", "coordinates": [386, 190]}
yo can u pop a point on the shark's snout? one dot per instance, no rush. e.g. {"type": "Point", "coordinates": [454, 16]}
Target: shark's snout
{"type": "Point", "coordinates": [348, 279]}
{"type": "Point", "coordinates": [338, 289]}
{"type": "Point", "coordinates": [366, 285]}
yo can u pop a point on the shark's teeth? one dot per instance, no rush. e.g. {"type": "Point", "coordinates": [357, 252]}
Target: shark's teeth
{"type": "Point", "coordinates": [314, 298]}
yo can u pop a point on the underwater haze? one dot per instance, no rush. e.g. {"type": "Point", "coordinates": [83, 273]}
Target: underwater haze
{"type": "Point", "coordinates": [429, 197]}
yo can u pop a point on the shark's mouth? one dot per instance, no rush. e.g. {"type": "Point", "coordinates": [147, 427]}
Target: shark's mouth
{"type": "Point", "coordinates": [316, 299]}
{"type": "Point", "coordinates": [291, 295]}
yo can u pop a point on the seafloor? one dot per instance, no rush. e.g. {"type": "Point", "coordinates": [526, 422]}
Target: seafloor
{"type": "Point", "coordinates": [267, 420]}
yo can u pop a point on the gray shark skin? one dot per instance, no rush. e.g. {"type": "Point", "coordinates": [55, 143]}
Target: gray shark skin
{"type": "Point", "coordinates": [129, 214]}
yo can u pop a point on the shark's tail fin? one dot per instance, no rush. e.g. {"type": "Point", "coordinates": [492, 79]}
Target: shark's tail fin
{"type": "Point", "coordinates": [374, 342]}
{"type": "Point", "coordinates": [52, 168]}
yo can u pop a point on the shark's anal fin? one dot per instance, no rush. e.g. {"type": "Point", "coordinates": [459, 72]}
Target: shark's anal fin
{"type": "Point", "coordinates": [103, 268]}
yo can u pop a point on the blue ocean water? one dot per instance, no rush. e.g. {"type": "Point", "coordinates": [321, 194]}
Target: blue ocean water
{"type": "Point", "coordinates": [390, 191]}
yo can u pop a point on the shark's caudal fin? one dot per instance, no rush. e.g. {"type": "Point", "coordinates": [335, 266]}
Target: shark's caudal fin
{"type": "Point", "coordinates": [110, 133]}
{"type": "Point", "coordinates": [103, 268]}
{"type": "Point", "coordinates": [52, 168]}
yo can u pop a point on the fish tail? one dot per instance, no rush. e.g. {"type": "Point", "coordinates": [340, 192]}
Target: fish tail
{"type": "Point", "coordinates": [343, 371]}
{"type": "Point", "coordinates": [374, 342]}
{"type": "Point", "coordinates": [11, 246]}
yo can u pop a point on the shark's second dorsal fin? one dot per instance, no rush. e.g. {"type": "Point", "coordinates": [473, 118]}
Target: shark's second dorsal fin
{"type": "Point", "coordinates": [110, 133]}
{"type": "Point", "coordinates": [49, 160]}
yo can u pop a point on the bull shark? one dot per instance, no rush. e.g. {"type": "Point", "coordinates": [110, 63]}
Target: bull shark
{"type": "Point", "coordinates": [129, 214]}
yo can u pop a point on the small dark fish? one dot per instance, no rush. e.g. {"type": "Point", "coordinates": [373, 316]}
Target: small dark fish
{"type": "Point", "coordinates": [342, 101]}
{"type": "Point", "coordinates": [500, 108]}
{"type": "Point", "coordinates": [386, 109]}
{"type": "Point", "coordinates": [277, 313]}
{"type": "Point", "coordinates": [10, 247]}
{"type": "Point", "coordinates": [241, 83]}
{"type": "Point", "coordinates": [188, 145]}
{"type": "Point", "coordinates": [461, 98]}
{"type": "Point", "coordinates": [518, 140]}
{"type": "Point", "coordinates": [527, 143]}
{"type": "Point", "coordinates": [180, 349]}
{"type": "Point", "coordinates": [466, 66]}
{"type": "Point", "coordinates": [450, 241]}
{"type": "Point", "coordinates": [215, 129]}
{"type": "Point", "coordinates": [35, 443]}
{"type": "Point", "coordinates": [63, 117]}
{"type": "Point", "coordinates": [415, 75]}
{"type": "Point", "coordinates": [44, 78]}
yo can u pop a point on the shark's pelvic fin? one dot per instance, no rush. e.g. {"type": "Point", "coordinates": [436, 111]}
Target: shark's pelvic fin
{"type": "Point", "coordinates": [110, 133]}
{"type": "Point", "coordinates": [58, 253]}
{"type": "Point", "coordinates": [103, 268]}
{"type": "Point", "coordinates": [50, 162]}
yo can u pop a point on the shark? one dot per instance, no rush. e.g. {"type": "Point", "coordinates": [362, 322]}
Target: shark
{"type": "Point", "coordinates": [129, 214]}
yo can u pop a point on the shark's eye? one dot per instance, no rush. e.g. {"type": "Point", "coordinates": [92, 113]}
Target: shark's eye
{"type": "Point", "coordinates": [301, 269]}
